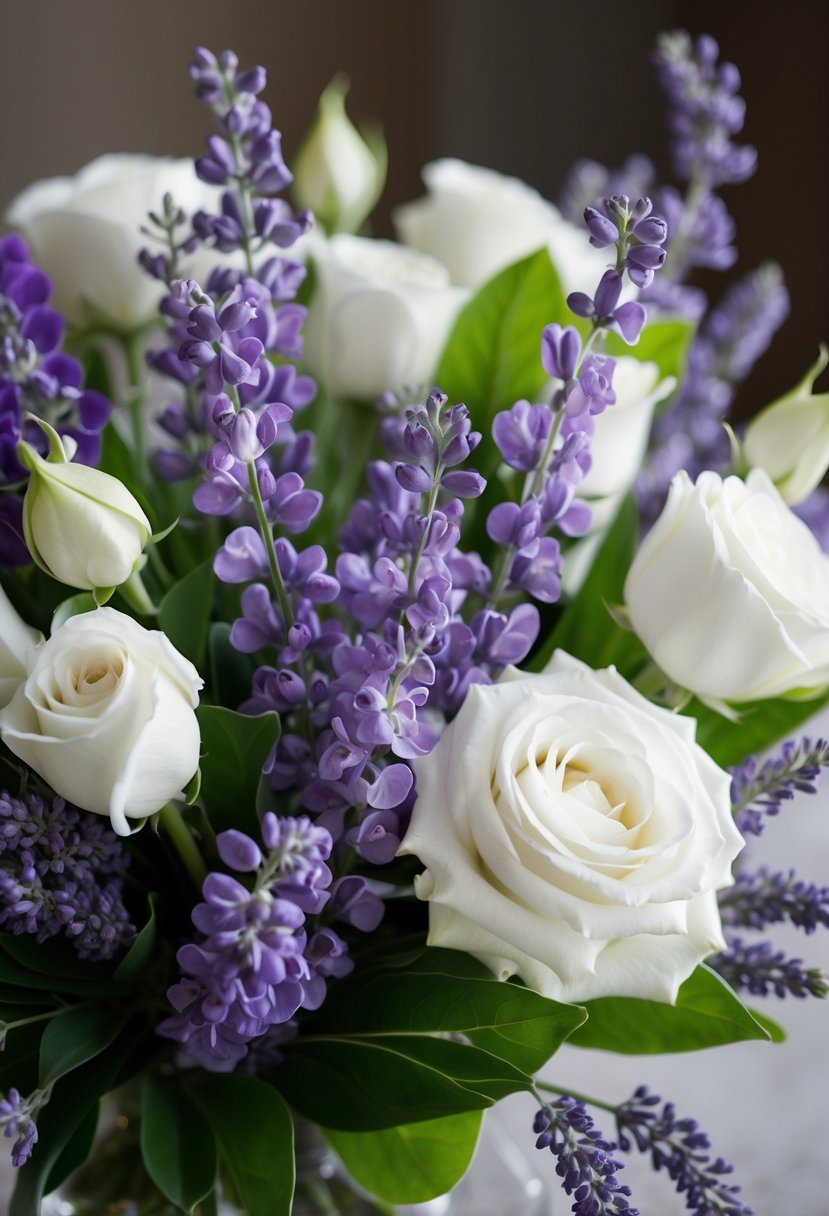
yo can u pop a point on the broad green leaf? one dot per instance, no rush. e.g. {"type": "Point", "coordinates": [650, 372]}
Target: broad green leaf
{"type": "Point", "coordinates": [255, 1134]}
{"type": "Point", "coordinates": [58, 1122]}
{"type": "Point", "coordinates": [412, 1163]}
{"type": "Point", "coordinates": [76, 1150]}
{"type": "Point", "coordinates": [230, 671]}
{"type": "Point", "coordinates": [776, 1032]}
{"type": "Point", "coordinates": [492, 357]}
{"type": "Point", "coordinates": [707, 1014]}
{"type": "Point", "coordinates": [586, 630]}
{"type": "Point", "coordinates": [662, 342]}
{"type": "Point", "coordinates": [20, 1059]}
{"type": "Point", "coordinates": [509, 1021]}
{"type": "Point", "coordinates": [760, 725]}
{"type": "Point", "coordinates": [234, 748]}
{"type": "Point", "coordinates": [362, 1083]}
{"type": "Point", "coordinates": [184, 613]}
{"type": "Point", "coordinates": [75, 1036]}
{"type": "Point", "coordinates": [52, 966]}
{"type": "Point", "coordinates": [177, 1143]}
{"type": "Point", "coordinates": [141, 952]}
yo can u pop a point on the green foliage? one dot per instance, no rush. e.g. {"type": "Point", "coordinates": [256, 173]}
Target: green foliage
{"type": "Point", "coordinates": [255, 1135]}
{"type": "Point", "coordinates": [706, 1014]}
{"type": "Point", "coordinates": [662, 342]}
{"type": "Point", "coordinates": [74, 1036]}
{"type": "Point", "coordinates": [492, 357]}
{"type": "Point", "coordinates": [234, 748]}
{"type": "Point", "coordinates": [84, 601]}
{"type": "Point", "coordinates": [412, 1163]}
{"type": "Point", "coordinates": [141, 952]}
{"type": "Point", "coordinates": [586, 629]}
{"type": "Point", "coordinates": [760, 724]}
{"type": "Point", "coordinates": [177, 1143]}
{"type": "Point", "coordinates": [184, 613]}
{"type": "Point", "coordinates": [230, 670]}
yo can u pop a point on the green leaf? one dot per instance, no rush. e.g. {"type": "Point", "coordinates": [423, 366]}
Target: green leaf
{"type": "Point", "coordinates": [52, 965]}
{"type": "Point", "coordinates": [84, 601]}
{"type": "Point", "coordinates": [662, 342]}
{"type": "Point", "coordinates": [59, 1121]}
{"type": "Point", "coordinates": [230, 671]}
{"type": "Point", "coordinates": [177, 1143]}
{"type": "Point", "coordinates": [413, 1163]}
{"type": "Point", "coordinates": [776, 1032]}
{"type": "Point", "coordinates": [363, 1083]}
{"type": "Point", "coordinates": [255, 1134]}
{"type": "Point", "coordinates": [75, 1151]}
{"type": "Point", "coordinates": [760, 725]}
{"type": "Point", "coordinates": [509, 1021]}
{"type": "Point", "coordinates": [586, 629]}
{"type": "Point", "coordinates": [492, 357]}
{"type": "Point", "coordinates": [706, 1014]}
{"type": "Point", "coordinates": [141, 952]}
{"type": "Point", "coordinates": [75, 1036]}
{"type": "Point", "coordinates": [234, 748]}
{"type": "Point", "coordinates": [184, 613]}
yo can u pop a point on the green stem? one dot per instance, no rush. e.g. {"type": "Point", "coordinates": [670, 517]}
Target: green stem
{"type": "Point", "coordinates": [179, 833]}
{"type": "Point", "coordinates": [562, 1090]}
{"type": "Point", "coordinates": [137, 596]}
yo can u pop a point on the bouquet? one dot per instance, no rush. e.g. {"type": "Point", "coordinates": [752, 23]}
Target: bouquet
{"type": "Point", "coordinates": [389, 632]}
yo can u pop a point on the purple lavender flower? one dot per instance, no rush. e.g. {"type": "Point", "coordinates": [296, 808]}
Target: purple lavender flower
{"type": "Point", "coordinates": [17, 1122]}
{"type": "Point", "coordinates": [62, 873]}
{"type": "Point", "coordinates": [759, 790]}
{"type": "Point", "coordinates": [758, 968]}
{"type": "Point", "coordinates": [585, 1162]}
{"type": "Point", "coordinates": [767, 898]}
{"type": "Point", "coordinates": [679, 1147]}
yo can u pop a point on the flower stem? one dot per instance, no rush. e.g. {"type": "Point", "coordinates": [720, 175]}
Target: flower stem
{"type": "Point", "coordinates": [181, 836]}
{"type": "Point", "coordinates": [562, 1090]}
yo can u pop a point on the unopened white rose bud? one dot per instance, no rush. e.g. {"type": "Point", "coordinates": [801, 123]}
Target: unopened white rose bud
{"type": "Point", "coordinates": [81, 525]}
{"type": "Point", "coordinates": [338, 172]}
{"type": "Point", "coordinates": [790, 438]}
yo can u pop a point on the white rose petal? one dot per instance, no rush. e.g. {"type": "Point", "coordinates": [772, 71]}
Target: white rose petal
{"type": "Point", "coordinates": [575, 835]}
{"type": "Point", "coordinates": [477, 222]}
{"type": "Point", "coordinates": [16, 640]}
{"type": "Point", "coordinates": [106, 716]}
{"type": "Point", "coordinates": [379, 318]}
{"type": "Point", "coordinates": [730, 591]}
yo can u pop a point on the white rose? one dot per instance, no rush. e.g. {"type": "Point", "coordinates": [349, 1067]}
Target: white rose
{"type": "Point", "coordinates": [730, 591]}
{"type": "Point", "coordinates": [790, 438]}
{"type": "Point", "coordinates": [81, 525]}
{"type": "Point", "coordinates": [338, 173]}
{"type": "Point", "coordinates": [16, 640]}
{"type": "Point", "coordinates": [477, 222]}
{"type": "Point", "coordinates": [379, 317]}
{"type": "Point", "coordinates": [574, 835]}
{"type": "Point", "coordinates": [85, 232]}
{"type": "Point", "coordinates": [106, 716]}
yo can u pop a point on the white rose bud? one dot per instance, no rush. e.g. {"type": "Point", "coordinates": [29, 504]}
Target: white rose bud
{"type": "Point", "coordinates": [85, 231]}
{"type": "Point", "coordinates": [81, 525]}
{"type": "Point", "coordinates": [16, 640]}
{"type": "Point", "coordinates": [338, 173]}
{"type": "Point", "coordinates": [106, 716]}
{"type": "Point", "coordinates": [477, 222]}
{"type": "Point", "coordinates": [379, 318]}
{"type": "Point", "coordinates": [574, 835]}
{"type": "Point", "coordinates": [790, 438]}
{"type": "Point", "coordinates": [729, 591]}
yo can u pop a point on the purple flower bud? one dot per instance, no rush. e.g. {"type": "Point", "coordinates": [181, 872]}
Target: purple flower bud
{"type": "Point", "coordinates": [602, 231]}
{"type": "Point", "coordinates": [238, 851]}
{"type": "Point", "coordinates": [581, 304]}
{"type": "Point", "coordinates": [243, 438]}
{"type": "Point", "coordinates": [651, 231]}
{"type": "Point", "coordinates": [466, 483]}
{"type": "Point", "coordinates": [412, 478]}
{"type": "Point", "coordinates": [561, 347]}
{"type": "Point", "coordinates": [607, 293]}
{"type": "Point", "coordinates": [648, 257]}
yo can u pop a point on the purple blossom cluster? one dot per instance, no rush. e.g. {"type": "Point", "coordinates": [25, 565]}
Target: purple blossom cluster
{"type": "Point", "coordinates": [17, 1122]}
{"type": "Point", "coordinates": [62, 873]}
{"type": "Point", "coordinates": [766, 897]}
{"type": "Point", "coordinates": [760, 969]}
{"type": "Point", "coordinates": [585, 1162]}
{"type": "Point", "coordinates": [759, 789]}
{"type": "Point", "coordinates": [681, 1148]}
{"type": "Point", "coordinates": [36, 377]}
{"type": "Point", "coordinates": [239, 331]}
{"type": "Point", "coordinates": [256, 963]}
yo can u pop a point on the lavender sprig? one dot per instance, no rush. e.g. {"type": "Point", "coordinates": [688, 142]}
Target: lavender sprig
{"type": "Point", "coordinates": [758, 968]}
{"type": "Point", "coordinates": [62, 873]}
{"type": "Point", "coordinates": [759, 789]}
{"type": "Point", "coordinates": [585, 1161]}
{"type": "Point", "coordinates": [681, 1148]}
{"type": "Point", "coordinates": [17, 1119]}
{"type": "Point", "coordinates": [767, 898]}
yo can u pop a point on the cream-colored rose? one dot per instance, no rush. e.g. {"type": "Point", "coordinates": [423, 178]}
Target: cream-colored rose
{"type": "Point", "coordinates": [338, 173]}
{"type": "Point", "coordinates": [574, 835]}
{"type": "Point", "coordinates": [16, 640]}
{"type": "Point", "coordinates": [81, 525]}
{"type": "Point", "coordinates": [790, 438]}
{"type": "Point", "coordinates": [106, 716]}
{"type": "Point", "coordinates": [477, 222]}
{"type": "Point", "coordinates": [85, 233]}
{"type": "Point", "coordinates": [729, 591]}
{"type": "Point", "coordinates": [379, 317]}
